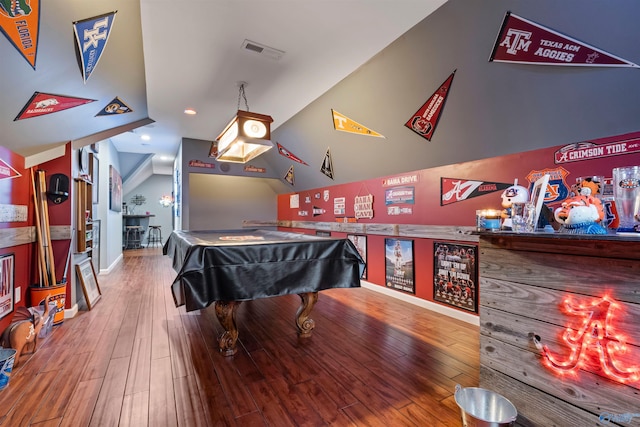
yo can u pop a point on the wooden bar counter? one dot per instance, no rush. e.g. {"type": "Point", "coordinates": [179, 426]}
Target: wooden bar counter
{"type": "Point", "coordinates": [577, 295]}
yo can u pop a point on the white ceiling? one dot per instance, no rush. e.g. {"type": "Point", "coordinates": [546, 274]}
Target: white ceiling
{"type": "Point", "coordinates": [193, 58]}
{"type": "Point", "coordinates": [188, 54]}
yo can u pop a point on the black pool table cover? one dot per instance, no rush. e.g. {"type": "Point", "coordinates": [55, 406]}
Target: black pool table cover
{"type": "Point", "coordinates": [241, 265]}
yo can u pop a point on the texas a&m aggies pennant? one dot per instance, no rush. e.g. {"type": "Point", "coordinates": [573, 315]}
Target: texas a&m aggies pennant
{"type": "Point", "coordinates": [526, 42]}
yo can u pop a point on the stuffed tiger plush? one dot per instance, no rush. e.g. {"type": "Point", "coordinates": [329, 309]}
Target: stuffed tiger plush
{"type": "Point", "coordinates": [581, 214]}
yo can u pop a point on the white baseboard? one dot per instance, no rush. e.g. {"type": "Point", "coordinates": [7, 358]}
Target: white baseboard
{"type": "Point", "coordinates": [70, 313]}
{"type": "Point", "coordinates": [451, 312]}
{"type": "Point", "coordinates": [112, 266]}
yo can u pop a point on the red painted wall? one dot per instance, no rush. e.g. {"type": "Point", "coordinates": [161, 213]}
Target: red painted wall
{"type": "Point", "coordinates": [620, 150]}
{"type": "Point", "coordinates": [15, 186]}
{"type": "Point", "coordinates": [16, 189]}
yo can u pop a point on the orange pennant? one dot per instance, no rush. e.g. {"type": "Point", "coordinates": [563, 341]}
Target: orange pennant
{"type": "Point", "coordinates": [20, 21]}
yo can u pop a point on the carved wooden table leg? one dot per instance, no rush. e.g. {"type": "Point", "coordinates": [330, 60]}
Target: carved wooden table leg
{"type": "Point", "coordinates": [226, 313]}
{"type": "Point", "coordinates": [303, 322]}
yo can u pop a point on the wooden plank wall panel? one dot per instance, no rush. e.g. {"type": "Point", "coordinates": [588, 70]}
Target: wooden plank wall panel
{"type": "Point", "coordinates": [524, 281]}
{"type": "Point", "coordinates": [525, 301]}
{"type": "Point", "coordinates": [575, 274]}
{"type": "Point", "coordinates": [555, 413]}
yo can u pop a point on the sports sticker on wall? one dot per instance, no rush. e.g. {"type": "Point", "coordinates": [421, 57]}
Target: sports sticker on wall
{"type": "Point", "coordinates": [327, 165]}
{"type": "Point", "coordinates": [455, 275]}
{"type": "Point", "coordinates": [557, 189]}
{"type": "Point", "coordinates": [399, 272]}
{"type": "Point", "coordinates": [252, 168]}
{"type": "Point", "coordinates": [42, 104]}
{"type": "Point", "coordinates": [454, 190]}
{"type": "Point", "coordinates": [92, 35]}
{"type": "Point", "coordinates": [114, 107]}
{"type": "Point", "coordinates": [289, 176]}
{"type": "Point", "coordinates": [425, 120]}
{"type": "Point", "coordinates": [200, 164]}
{"type": "Point", "coordinates": [294, 201]}
{"type": "Point", "coordinates": [345, 124]}
{"type": "Point", "coordinates": [339, 206]}
{"type": "Point", "coordinates": [288, 154]}
{"type": "Point", "coordinates": [20, 23]}
{"type": "Point", "coordinates": [588, 150]}
{"type": "Point", "coordinates": [526, 42]}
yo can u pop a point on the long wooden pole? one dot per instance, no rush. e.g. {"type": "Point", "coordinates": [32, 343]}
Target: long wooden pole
{"type": "Point", "coordinates": [43, 265]}
{"type": "Point", "coordinates": [51, 263]}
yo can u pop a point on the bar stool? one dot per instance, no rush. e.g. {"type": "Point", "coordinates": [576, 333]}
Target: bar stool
{"type": "Point", "coordinates": [155, 236]}
{"type": "Point", "coordinates": [133, 237]}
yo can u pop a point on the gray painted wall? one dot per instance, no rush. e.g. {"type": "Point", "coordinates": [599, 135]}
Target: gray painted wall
{"type": "Point", "coordinates": [218, 202]}
{"type": "Point", "coordinates": [152, 189]}
{"type": "Point", "coordinates": [214, 198]}
{"type": "Point", "coordinates": [492, 109]}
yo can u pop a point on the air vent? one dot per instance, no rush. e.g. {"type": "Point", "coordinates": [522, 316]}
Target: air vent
{"type": "Point", "coordinates": [262, 50]}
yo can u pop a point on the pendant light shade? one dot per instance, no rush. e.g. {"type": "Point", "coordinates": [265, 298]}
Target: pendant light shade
{"type": "Point", "coordinates": [246, 136]}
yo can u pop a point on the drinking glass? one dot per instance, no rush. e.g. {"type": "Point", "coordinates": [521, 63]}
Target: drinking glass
{"type": "Point", "coordinates": [626, 194]}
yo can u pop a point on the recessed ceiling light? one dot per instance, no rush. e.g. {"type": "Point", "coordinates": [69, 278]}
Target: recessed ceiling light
{"type": "Point", "coordinates": [145, 137]}
{"type": "Point", "coordinates": [190, 111]}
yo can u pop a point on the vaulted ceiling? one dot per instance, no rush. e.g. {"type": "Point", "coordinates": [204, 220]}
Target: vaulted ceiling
{"type": "Point", "coordinates": [164, 56]}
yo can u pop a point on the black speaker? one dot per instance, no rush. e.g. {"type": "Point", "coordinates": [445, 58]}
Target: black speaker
{"type": "Point", "coordinates": [58, 188]}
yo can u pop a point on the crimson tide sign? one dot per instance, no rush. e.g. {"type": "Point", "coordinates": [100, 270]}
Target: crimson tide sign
{"type": "Point", "coordinates": [526, 42]}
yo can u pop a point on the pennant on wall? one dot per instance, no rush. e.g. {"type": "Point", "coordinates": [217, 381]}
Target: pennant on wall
{"type": "Point", "coordinates": [7, 171]}
{"type": "Point", "coordinates": [327, 165]}
{"type": "Point", "coordinates": [42, 104]}
{"type": "Point", "coordinates": [20, 22]}
{"type": "Point", "coordinates": [345, 124]}
{"type": "Point", "coordinates": [289, 177]}
{"type": "Point", "coordinates": [92, 35]}
{"type": "Point", "coordinates": [424, 121]}
{"type": "Point", "coordinates": [114, 107]}
{"type": "Point", "coordinates": [526, 42]}
{"type": "Point", "coordinates": [454, 190]}
{"type": "Point", "coordinates": [288, 154]}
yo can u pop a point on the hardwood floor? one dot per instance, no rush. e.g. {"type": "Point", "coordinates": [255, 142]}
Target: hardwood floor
{"type": "Point", "coordinates": [137, 360]}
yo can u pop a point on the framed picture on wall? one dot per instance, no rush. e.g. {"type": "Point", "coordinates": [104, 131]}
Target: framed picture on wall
{"type": "Point", "coordinates": [399, 267]}
{"type": "Point", "coordinates": [115, 190]}
{"type": "Point", "coordinates": [360, 242]}
{"type": "Point", "coordinates": [455, 275]}
{"type": "Point", "coordinates": [89, 282]}
{"type": "Point", "coordinates": [7, 275]}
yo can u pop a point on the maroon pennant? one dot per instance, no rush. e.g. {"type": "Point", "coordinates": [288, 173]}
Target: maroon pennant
{"type": "Point", "coordinates": [526, 42]}
{"type": "Point", "coordinates": [284, 152]}
{"type": "Point", "coordinates": [424, 121]}
{"type": "Point", "coordinates": [454, 190]}
{"type": "Point", "coordinates": [41, 104]}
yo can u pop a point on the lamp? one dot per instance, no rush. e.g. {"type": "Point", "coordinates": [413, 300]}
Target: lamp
{"type": "Point", "coordinates": [245, 137]}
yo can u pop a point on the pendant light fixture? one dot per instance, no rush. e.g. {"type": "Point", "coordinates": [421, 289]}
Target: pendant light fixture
{"type": "Point", "coordinates": [245, 137]}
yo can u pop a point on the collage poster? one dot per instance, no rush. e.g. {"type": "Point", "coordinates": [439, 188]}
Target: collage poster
{"type": "Point", "coordinates": [399, 272]}
{"type": "Point", "coordinates": [455, 275]}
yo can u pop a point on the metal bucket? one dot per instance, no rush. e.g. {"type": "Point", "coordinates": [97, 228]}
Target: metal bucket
{"type": "Point", "coordinates": [484, 408]}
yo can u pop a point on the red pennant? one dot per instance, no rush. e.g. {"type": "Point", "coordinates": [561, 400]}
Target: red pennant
{"type": "Point", "coordinates": [42, 104]}
{"type": "Point", "coordinates": [526, 42]}
{"type": "Point", "coordinates": [454, 190]}
{"type": "Point", "coordinates": [284, 152]}
{"type": "Point", "coordinates": [424, 121]}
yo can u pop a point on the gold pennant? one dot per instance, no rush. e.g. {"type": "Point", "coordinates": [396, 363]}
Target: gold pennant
{"type": "Point", "coordinates": [345, 124]}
